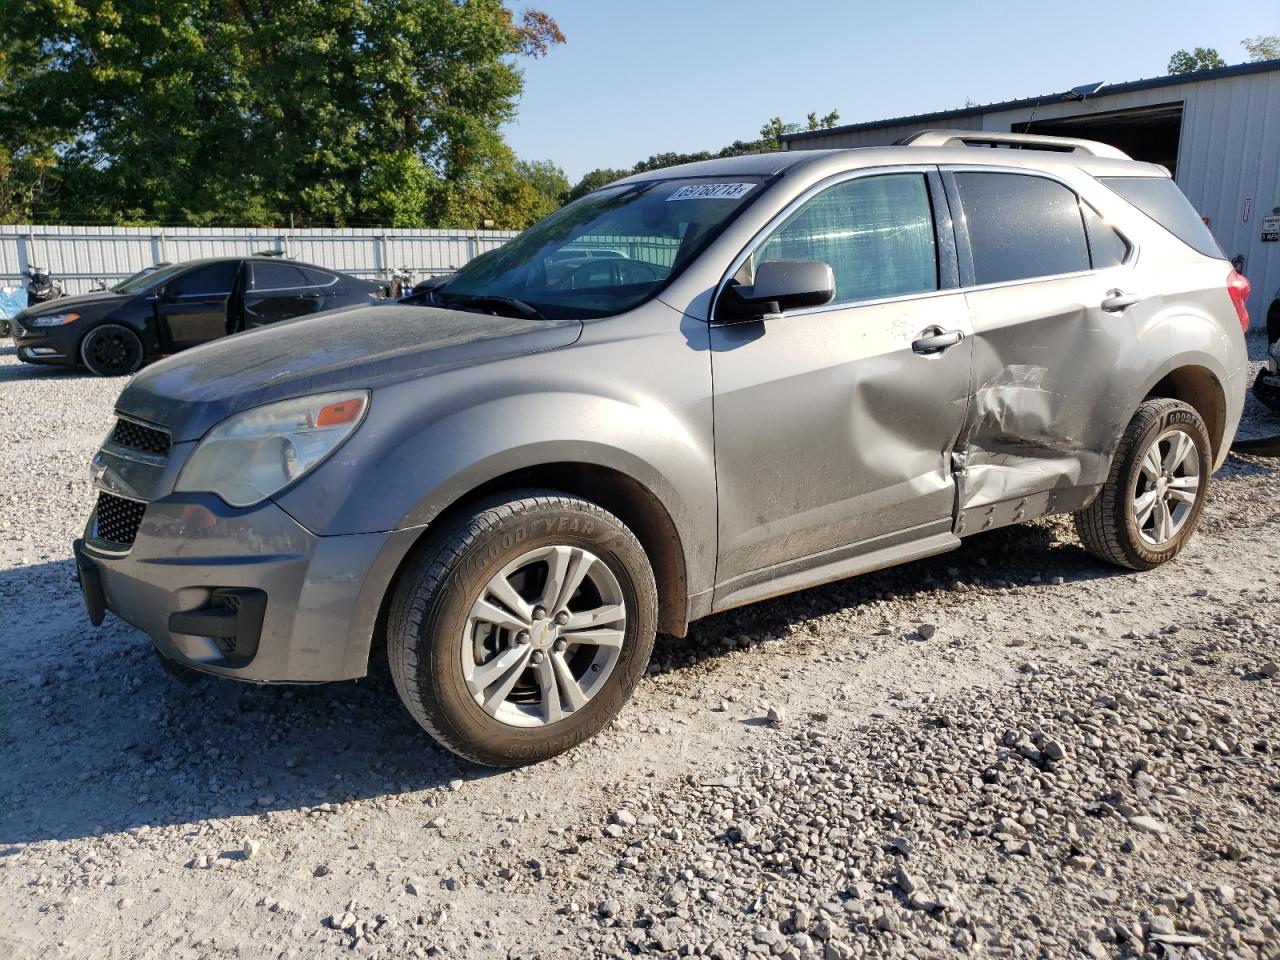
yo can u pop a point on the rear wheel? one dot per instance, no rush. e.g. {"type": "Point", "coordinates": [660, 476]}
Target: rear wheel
{"type": "Point", "coordinates": [111, 350]}
{"type": "Point", "coordinates": [521, 630]}
{"type": "Point", "coordinates": [1159, 480]}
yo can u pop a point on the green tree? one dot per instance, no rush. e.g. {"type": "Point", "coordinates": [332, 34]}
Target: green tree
{"type": "Point", "coordinates": [549, 184]}
{"type": "Point", "coordinates": [773, 130]}
{"type": "Point", "coordinates": [814, 122]}
{"type": "Point", "coordinates": [254, 111]}
{"type": "Point", "coordinates": [1262, 47]}
{"type": "Point", "coordinates": [1201, 58]}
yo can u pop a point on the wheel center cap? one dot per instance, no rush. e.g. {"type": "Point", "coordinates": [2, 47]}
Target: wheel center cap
{"type": "Point", "coordinates": [1162, 485]}
{"type": "Point", "coordinates": [542, 634]}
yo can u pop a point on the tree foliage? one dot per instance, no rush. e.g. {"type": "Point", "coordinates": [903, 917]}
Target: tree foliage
{"type": "Point", "coordinates": [770, 138]}
{"type": "Point", "coordinates": [327, 112]}
{"type": "Point", "coordinates": [1201, 58]}
{"type": "Point", "coordinates": [1262, 47]}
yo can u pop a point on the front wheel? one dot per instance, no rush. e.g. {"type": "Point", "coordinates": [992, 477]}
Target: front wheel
{"type": "Point", "coordinates": [1159, 481]}
{"type": "Point", "coordinates": [520, 630]}
{"type": "Point", "coordinates": [111, 350]}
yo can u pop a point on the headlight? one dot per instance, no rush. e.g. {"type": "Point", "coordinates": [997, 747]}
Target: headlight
{"type": "Point", "coordinates": [252, 455]}
{"type": "Point", "coordinates": [50, 320]}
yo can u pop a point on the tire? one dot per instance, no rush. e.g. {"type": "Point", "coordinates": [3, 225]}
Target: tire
{"type": "Point", "coordinates": [440, 640]}
{"type": "Point", "coordinates": [1116, 526]}
{"type": "Point", "coordinates": [111, 350]}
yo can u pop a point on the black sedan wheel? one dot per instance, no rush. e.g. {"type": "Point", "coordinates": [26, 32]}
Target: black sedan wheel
{"type": "Point", "coordinates": [111, 350]}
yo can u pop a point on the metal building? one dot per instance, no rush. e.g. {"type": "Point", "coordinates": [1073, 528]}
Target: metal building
{"type": "Point", "coordinates": [1218, 132]}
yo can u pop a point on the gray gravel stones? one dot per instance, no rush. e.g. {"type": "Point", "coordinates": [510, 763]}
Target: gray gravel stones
{"type": "Point", "coordinates": [1147, 824]}
{"type": "Point", "coordinates": [905, 836]}
{"type": "Point", "coordinates": [978, 794]}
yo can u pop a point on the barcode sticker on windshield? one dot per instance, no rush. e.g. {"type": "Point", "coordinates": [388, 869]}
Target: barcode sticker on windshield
{"type": "Point", "coordinates": [712, 191]}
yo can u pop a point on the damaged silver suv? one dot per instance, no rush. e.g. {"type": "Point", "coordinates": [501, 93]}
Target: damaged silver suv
{"type": "Point", "coordinates": [689, 390]}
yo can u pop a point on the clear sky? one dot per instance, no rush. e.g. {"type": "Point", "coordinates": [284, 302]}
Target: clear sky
{"type": "Point", "coordinates": [638, 77]}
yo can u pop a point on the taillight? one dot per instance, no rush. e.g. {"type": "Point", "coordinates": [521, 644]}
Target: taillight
{"type": "Point", "coordinates": [1238, 287]}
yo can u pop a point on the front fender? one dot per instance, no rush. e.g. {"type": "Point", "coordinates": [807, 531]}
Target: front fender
{"type": "Point", "coordinates": [641, 408]}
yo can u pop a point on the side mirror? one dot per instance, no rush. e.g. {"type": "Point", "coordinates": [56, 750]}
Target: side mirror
{"type": "Point", "coordinates": [780, 285]}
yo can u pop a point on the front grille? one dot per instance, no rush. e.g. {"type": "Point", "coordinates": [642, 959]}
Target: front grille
{"type": "Point", "coordinates": [137, 437]}
{"type": "Point", "coordinates": [118, 519]}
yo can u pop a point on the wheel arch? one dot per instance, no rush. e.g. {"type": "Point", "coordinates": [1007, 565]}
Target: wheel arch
{"type": "Point", "coordinates": [625, 497]}
{"type": "Point", "coordinates": [1200, 388]}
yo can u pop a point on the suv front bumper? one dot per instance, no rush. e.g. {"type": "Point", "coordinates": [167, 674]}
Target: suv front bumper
{"type": "Point", "coordinates": [249, 594]}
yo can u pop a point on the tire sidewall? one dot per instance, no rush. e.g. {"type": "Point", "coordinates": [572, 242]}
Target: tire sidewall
{"type": "Point", "coordinates": [440, 636]}
{"type": "Point", "coordinates": [87, 340]}
{"type": "Point", "coordinates": [1142, 553]}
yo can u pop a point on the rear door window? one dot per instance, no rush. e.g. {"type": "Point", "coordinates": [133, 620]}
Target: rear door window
{"type": "Point", "coordinates": [1161, 200]}
{"type": "Point", "coordinates": [210, 280]}
{"type": "Point", "coordinates": [876, 233]}
{"type": "Point", "coordinates": [1021, 226]}
{"type": "Point", "coordinates": [317, 278]}
{"type": "Point", "coordinates": [273, 275]}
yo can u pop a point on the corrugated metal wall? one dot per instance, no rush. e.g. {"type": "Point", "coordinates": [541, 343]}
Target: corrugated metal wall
{"type": "Point", "coordinates": [1228, 157]}
{"type": "Point", "coordinates": [80, 255]}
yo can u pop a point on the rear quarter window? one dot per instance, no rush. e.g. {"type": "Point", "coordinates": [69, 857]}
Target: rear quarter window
{"type": "Point", "coordinates": [1021, 226]}
{"type": "Point", "coordinates": [1161, 200]}
{"type": "Point", "coordinates": [1106, 247]}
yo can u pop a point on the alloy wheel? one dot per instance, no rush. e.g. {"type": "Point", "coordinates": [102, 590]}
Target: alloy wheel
{"type": "Point", "coordinates": [1166, 487]}
{"type": "Point", "coordinates": [543, 636]}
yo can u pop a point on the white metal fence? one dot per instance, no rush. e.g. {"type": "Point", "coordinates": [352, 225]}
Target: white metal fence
{"type": "Point", "coordinates": [79, 256]}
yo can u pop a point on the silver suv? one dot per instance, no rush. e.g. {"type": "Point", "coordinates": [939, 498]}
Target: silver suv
{"type": "Point", "coordinates": [687, 391]}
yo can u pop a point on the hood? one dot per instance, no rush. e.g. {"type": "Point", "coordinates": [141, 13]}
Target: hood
{"type": "Point", "coordinates": [98, 301]}
{"type": "Point", "coordinates": [353, 348]}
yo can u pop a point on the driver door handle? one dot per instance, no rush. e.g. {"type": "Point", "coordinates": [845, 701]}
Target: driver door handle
{"type": "Point", "coordinates": [935, 340]}
{"type": "Point", "coordinates": [1117, 300]}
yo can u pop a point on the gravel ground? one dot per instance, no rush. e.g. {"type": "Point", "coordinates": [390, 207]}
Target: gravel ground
{"type": "Point", "coordinates": [1010, 750]}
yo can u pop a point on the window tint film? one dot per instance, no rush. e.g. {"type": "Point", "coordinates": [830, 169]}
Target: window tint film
{"type": "Point", "coordinates": [1021, 226]}
{"type": "Point", "coordinates": [144, 282]}
{"type": "Point", "coordinates": [273, 275]}
{"type": "Point", "coordinates": [1106, 247]}
{"type": "Point", "coordinates": [317, 278]}
{"type": "Point", "coordinates": [212, 278]}
{"type": "Point", "coordinates": [1161, 200]}
{"type": "Point", "coordinates": [876, 233]}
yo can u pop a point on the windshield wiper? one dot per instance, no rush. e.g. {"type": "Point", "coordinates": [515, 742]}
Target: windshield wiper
{"type": "Point", "coordinates": [526, 310]}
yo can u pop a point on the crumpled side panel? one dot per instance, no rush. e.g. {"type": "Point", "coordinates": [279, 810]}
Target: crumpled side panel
{"type": "Point", "coordinates": [1018, 445]}
{"type": "Point", "coordinates": [1048, 404]}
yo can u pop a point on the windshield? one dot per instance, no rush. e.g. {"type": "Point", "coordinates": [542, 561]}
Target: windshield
{"type": "Point", "coordinates": [607, 252]}
{"type": "Point", "coordinates": [145, 281]}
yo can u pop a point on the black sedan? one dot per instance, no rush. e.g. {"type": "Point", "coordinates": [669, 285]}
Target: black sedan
{"type": "Point", "coordinates": [114, 332]}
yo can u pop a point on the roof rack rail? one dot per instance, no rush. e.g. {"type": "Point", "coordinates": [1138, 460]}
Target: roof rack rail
{"type": "Point", "coordinates": [968, 138]}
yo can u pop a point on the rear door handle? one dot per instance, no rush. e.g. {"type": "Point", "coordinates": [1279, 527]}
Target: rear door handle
{"type": "Point", "coordinates": [1117, 301]}
{"type": "Point", "coordinates": [935, 340]}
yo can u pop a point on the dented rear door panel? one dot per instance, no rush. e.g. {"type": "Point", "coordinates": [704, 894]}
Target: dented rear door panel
{"type": "Point", "coordinates": [1049, 402]}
